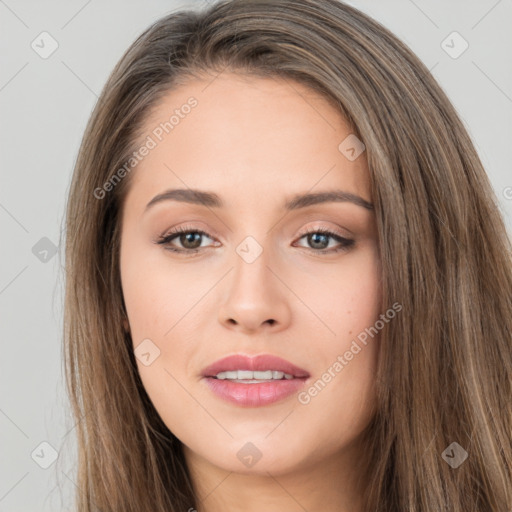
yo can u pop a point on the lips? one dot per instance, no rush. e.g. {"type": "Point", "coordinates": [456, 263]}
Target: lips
{"type": "Point", "coordinates": [250, 392]}
{"type": "Point", "coordinates": [262, 363]}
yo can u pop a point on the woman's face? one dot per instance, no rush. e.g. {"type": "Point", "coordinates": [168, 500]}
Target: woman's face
{"type": "Point", "coordinates": [256, 283]}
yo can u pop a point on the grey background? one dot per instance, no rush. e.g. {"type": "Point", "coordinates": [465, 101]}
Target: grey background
{"type": "Point", "coordinates": [44, 106]}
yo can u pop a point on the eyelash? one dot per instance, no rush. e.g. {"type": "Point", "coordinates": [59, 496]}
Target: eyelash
{"type": "Point", "coordinates": [165, 240]}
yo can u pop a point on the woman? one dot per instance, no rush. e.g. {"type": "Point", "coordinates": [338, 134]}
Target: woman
{"type": "Point", "coordinates": [288, 281]}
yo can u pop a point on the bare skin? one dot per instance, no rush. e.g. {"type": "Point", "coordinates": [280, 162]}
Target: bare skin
{"type": "Point", "coordinates": [256, 143]}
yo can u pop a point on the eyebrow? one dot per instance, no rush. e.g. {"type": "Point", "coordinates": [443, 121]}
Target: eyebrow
{"type": "Point", "coordinates": [212, 200]}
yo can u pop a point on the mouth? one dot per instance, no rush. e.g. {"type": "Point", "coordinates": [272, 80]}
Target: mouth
{"type": "Point", "coordinates": [254, 381]}
{"type": "Point", "coordinates": [260, 368]}
{"type": "Point", "coordinates": [249, 377]}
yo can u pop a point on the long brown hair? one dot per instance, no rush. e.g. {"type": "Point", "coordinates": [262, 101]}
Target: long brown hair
{"type": "Point", "coordinates": [445, 363]}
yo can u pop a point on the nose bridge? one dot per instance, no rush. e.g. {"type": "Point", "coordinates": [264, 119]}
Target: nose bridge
{"type": "Point", "coordinates": [254, 295]}
{"type": "Point", "coordinates": [251, 264]}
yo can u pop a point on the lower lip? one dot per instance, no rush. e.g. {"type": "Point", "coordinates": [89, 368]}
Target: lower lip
{"type": "Point", "coordinates": [254, 395]}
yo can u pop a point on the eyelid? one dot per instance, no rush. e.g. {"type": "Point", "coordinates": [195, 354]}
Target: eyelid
{"type": "Point", "coordinates": [176, 231]}
{"type": "Point", "coordinates": [316, 229]}
{"type": "Point", "coordinates": [186, 228]}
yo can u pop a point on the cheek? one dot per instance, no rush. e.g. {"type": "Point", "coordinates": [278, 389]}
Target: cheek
{"type": "Point", "coordinates": [359, 308]}
{"type": "Point", "coordinates": [159, 293]}
{"type": "Point", "coordinates": [346, 297]}
{"type": "Point", "coordinates": [165, 311]}
{"type": "Point", "coordinates": [342, 390]}
{"type": "Point", "coordinates": [160, 307]}
{"type": "Point", "coordinates": [360, 293]}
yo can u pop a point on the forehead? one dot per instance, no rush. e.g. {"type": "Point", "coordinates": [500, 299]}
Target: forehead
{"type": "Point", "coordinates": [246, 137]}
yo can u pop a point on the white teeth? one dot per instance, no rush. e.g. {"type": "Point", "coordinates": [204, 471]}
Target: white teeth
{"type": "Point", "coordinates": [244, 375]}
{"type": "Point", "coordinates": [262, 375]}
{"type": "Point", "coordinates": [249, 375]}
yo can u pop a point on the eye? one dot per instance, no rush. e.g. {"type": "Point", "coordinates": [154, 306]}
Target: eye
{"type": "Point", "coordinates": [189, 238]}
{"type": "Point", "coordinates": [319, 239]}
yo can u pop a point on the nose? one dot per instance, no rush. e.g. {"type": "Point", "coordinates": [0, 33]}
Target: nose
{"type": "Point", "coordinates": [254, 297]}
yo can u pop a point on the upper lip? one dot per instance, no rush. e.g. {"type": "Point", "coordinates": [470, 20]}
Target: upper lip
{"type": "Point", "coordinates": [261, 362]}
